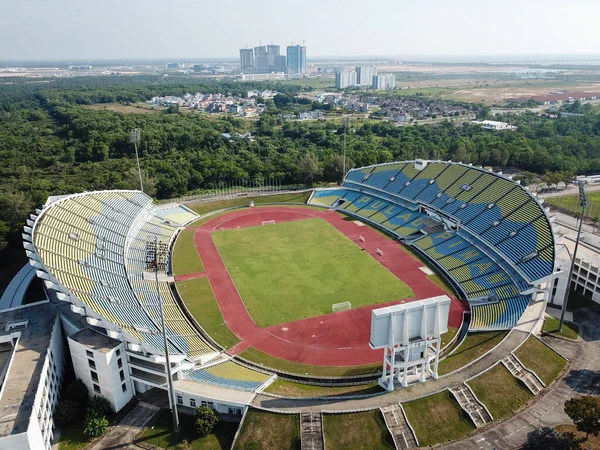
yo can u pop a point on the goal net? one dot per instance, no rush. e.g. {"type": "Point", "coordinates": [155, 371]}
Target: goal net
{"type": "Point", "coordinates": [344, 306]}
{"type": "Point", "coordinates": [268, 222]}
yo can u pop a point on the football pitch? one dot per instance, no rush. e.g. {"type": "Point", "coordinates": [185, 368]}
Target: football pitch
{"type": "Point", "coordinates": [294, 270]}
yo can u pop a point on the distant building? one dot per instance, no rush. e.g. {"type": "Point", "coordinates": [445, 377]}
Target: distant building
{"type": "Point", "coordinates": [175, 66]}
{"type": "Point", "coordinates": [383, 82]}
{"type": "Point", "coordinates": [280, 63]}
{"type": "Point", "coordinates": [296, 59]}
{"type": "Point", "coordinates": [345, 79]}
{"type": "Point", "coordinates": [493, 125]}
{"type": "Point", "coordinates": [365, 74]}
{"type": "Point", "coordinates": [273, 51]}
{"type": "Point", "coordinates": [261, 58]}
{"type": "Point", "coordinates": [246, 58]}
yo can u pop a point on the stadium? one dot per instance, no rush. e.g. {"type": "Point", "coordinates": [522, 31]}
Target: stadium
{"type": "Point", "coordinates": [258, 296]}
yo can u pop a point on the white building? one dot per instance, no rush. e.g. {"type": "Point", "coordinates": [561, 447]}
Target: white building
{"type": "Point", "coordinates": [31, 372]}
{"type": "Point", "coordinates": [365, 74]}
{"type": "Point", "coordinates": [493, 125]}
{"type": "Point", "coordinates": [384, 82]}
{"type": "Point", "coordinates": [345, 79]}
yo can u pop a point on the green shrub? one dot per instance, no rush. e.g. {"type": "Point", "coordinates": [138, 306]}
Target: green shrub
{"type": "Point", "coordinates": [67, 412]}
{"type": "Point", "coordinates": [100, 406]}
{"type": "Point", "coordinates": [206, 419]}
{"type": "Point", "coordinates": [95, 425]}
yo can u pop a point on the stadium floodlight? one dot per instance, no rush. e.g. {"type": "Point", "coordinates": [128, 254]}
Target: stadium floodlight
{"type": "Point", "coordinates": [584, 201]}
{"type": "Point", "coordinates": [172, 400]}
{"type": "Point", "coordinates": [135, 140]}
{"type": "Point", "coordinates": [344, 156]}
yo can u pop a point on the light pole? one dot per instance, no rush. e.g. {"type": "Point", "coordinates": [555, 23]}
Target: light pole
{"type": "Point", "coordinates": [584, 201]}
{"type": "Point", "coordinates": [172, 400]}
{"type": "Point", "coordinates": [135, 139]}
{"type": "Point", "coordinates": [344, 156]}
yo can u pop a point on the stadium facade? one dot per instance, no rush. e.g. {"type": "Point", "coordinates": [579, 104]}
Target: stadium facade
{"type": "Point", "coordinates": [105, 260]}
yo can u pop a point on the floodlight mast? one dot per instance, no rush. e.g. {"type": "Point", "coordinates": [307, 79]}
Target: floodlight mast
{"type": "Point", "coordinates": [172, 400]}
{"type": "Point", "coordinates": [135, 139]}
{"type": "Point", "coordinates": [344, 156]}
{"type": "Point", "coordinates": [584, 201]}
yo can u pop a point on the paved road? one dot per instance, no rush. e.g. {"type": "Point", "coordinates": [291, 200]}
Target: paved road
{"type": "Point", "coordinates": [121, 436]}
{"type": "Point", "coordinates": [548, 411]}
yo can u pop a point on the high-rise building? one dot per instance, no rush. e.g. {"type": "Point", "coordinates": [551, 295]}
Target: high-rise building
{"type": "Point", "coordinates": [365, 74]}
{"type": "Point", "coordinates": [344, 79]}
{"type": "Point", "coordinates": [261, 60]}
{"type": "Point", "coordinates": [280, 63]}
{"type": "Point", "coordinates": [273, 51]}
{"type": "Point", "coordinates": [384, 82]}
{"type": "Point", "coordinates": [296, 59]}
{"type": "Point", "coordinates": [246, 58]}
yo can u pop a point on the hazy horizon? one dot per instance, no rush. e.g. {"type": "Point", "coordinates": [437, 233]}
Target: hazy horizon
{"type": "Point", "coordinates": [186, 29]}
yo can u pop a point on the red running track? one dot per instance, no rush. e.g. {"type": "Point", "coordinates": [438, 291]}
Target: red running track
{"type": "Point", "coordinates": [340, 339]}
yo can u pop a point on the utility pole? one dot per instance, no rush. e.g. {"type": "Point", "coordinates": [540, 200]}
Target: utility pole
{"type": "Point", "coordinates": [584, 202]}
{"type": "Point", "coordinates": [135, 139]}
{"type": "Point", "coordinates": [172, 399]}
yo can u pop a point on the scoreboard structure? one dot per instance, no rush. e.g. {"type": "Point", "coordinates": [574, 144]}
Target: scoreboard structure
{"type": "Point", "coordinates": [410, 335]}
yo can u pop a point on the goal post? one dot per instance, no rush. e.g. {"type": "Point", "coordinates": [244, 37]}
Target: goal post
{"type": "Point", "coordinates": [343, 306]}
{"type": "Point", "coordinates": [268, 222]}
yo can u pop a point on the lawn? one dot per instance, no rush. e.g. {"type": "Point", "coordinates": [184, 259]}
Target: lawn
{"type": "Point", "coordinates": [364, 430]}
{"type": "Point", "coordinates": [204, 207]}
{"type": "Point", "coordinates": [502, 393]}
{"type": "Point", "coordinates": [572, 203]}
{"type": "Point", "coordinates": [472, 347]}
{"type": "Point", "coordinates": [305, 265]}
{"type": "Point", "coordinates": [291, 389]}
{"type": "Point", "coordinates": [284, 365]}
{"type": "Point", "coordinates": [437, 419]}
{"type": "Point", "coordinates": [159, 434]}
{"type": "Point", "coordinates": [569, 330]}
{"type": "Point", "coordinates": [185, 255]}
{"type": "Point", "coordinates": [266, 430]}
{"type": "Point", "coordinates": [545, 362]}
{"type": "Point", "coordinates": [72, 438]}
{"type": "Point", "coordinates": [198, 297]}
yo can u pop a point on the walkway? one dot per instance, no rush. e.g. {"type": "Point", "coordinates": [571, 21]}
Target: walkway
{"type": "Point", "coordinates": [17, 288]}
{"type": "Point", "coordinates": [340, 339]}
{"type": "Point", "coordinates": [121, 436]}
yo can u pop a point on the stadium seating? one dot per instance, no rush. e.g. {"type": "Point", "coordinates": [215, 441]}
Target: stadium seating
{"type": "Point", "coordinates": [230, 375]}
{"type": "Point", "coordinates": [503, 244]}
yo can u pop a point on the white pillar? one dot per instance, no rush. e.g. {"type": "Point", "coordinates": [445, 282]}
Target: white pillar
{"type": "Point", "coordinates": [422, 377]}
{"type": "Point", "coordinates": [437, 358]}
{"type": "Point", "coordinates": [405, 378]}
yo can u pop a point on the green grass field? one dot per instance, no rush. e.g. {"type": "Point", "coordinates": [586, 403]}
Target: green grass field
{"type": "Point", "coordinates": [291, 389]}
{"type": "Point", "coordinates": [159, 434]}
{"type": "Point", "coordinates": [266, 430]}
{"type": "Point", "coordinates": [364, 430]}
{"type": "Point", "coordinates": [569, 330]}
{"type": "Point", "coordinates": [571, 203]}
{"type": "Point", "coordinates": [305, 265]}
{"type": "Point", "coordinates": [284, 365]}
{"type": "Point", "coordinates": [472, 347]}
{"type": "Point", "coordinates": [545, 362]}
{"type": "Point", "coordinates": [185, 255]}
{"type": "Point", "coordinates": [437, 419]}
{"type": "Point", "coordinates": [502, 393]}
{"type": "Point", "coordinates": [198, 297]}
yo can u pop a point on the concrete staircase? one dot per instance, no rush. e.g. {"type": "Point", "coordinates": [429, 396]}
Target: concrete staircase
{"type": "Point", "coordinates": [398, 426]}
{"type": "Point", "coordinates": [517, 369]}
{"type": "Point", "coordinates": [467, 401]}
{"type": "Point", "coordinates": [311, 431]}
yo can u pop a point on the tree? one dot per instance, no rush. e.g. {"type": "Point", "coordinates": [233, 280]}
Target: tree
{"type": "Point", "coordinates": [206, 419]}
{"type": "Point", "coordinates": [585, 413]}
{"type": "Point", "coordinates": [100, 406]}
{"type": "Point", "coordinates": [95, 424]}
{"type": "Point", "coordinates": [67, 412]}
{"type": "Point", "coordinates": [77, 392]}
{"type": "Point", "coordinates": [309, 169]}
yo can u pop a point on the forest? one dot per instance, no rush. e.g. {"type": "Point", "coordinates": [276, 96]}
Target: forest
{"type": "Point", "coordinates": [51, 143]}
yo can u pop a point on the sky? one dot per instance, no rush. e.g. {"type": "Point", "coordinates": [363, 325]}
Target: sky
{"type": "Point", "coordinates": [141, 29]}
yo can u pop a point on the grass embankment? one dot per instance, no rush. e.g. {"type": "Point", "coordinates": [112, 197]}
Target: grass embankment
{"type": "Point", "coordinates": [472, 347]}
{"type": "Point", "coordinates": [435, 278]}
{"type": "Point", "coordinates": [185, 255]}
{"type": "Point", "coordinates": [305, 265]}
{"type": "Point", "coordinates": [502, 393]}
{"type": "Point", "coordinates": [544, 361]}
{"type": "Point", "coordinates": [291, 389]}
{"type": "Point", "coordinates": [437, 419]}
{"type": "Point", "coordinates": [364, 430]}
{"type": "Point", "coordinates": [198, 298]}
{"type": "Point", "coordinates": [205, 207]}
{"type": "Point", "coordinates": [266, 430]}
{"type": "Point", "coordinates": [159, 434]}
{"type": "Point", "coordinates": [73, 438]}
{"type": "Point", "coordinates": [569, 330]}
{"type": "Point", "coordinates": [307, 369]}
